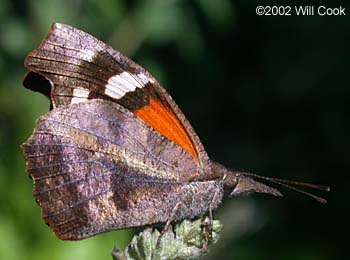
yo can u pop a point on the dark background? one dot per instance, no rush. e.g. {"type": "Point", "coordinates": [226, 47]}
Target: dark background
{"type": "Point", "coordinates": [268, 94]}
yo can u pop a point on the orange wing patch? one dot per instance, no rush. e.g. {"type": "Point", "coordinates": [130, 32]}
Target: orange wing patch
{"type": "Point", "coordinates": [167, 124]}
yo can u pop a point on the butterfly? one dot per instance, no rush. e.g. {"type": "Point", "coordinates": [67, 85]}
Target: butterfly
{"type": "Point", "coordinates": [115, 151]}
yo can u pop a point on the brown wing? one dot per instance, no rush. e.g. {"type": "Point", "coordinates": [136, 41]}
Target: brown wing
{"type": "Point", "coordinates": [80, 67]}
{"type": "Point", "coordinates": [97, 167]}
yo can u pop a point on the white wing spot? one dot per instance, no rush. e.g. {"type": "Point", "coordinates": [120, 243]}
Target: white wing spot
{"type": "Point", "coordinates": [117, 86]}
{"type": "Point", "coordinates": [80, 95]}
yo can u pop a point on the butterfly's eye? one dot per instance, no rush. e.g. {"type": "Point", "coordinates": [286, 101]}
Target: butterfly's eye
{"type": "Point", "coordinates": [230, 181]}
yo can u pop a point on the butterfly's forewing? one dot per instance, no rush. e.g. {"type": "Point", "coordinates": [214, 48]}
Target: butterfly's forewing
{"type": "Point", "coordinates": [97, 167]}
{"type": "Point", "coordinates": [80, 67]}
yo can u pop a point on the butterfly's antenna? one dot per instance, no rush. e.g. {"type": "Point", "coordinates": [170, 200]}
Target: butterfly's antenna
{"type": "Point", "coordinates": [288, 183]}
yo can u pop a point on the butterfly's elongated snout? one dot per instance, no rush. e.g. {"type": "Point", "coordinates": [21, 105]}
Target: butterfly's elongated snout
{"type": "Point", "coordinates": [237, 183]}
{"type": "Point", "coordinates": [246, 185]}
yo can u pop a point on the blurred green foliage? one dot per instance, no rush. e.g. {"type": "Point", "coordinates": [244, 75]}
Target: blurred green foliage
{"type": "Point", "coordinates": [268, 94]}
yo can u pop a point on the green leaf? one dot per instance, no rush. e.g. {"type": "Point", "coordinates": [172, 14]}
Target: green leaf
{"type": "Point", "coordinates": [188, 240]}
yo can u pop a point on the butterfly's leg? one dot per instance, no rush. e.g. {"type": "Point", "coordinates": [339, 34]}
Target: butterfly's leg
{"type": "Point", "coordinates": [211, 206]}
{"type": "Point", "coordinates": [208, 227]}
{"type": "Point", "coordinates": [168, 226]}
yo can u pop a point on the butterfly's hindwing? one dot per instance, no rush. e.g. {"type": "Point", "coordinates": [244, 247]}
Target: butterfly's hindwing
{"type": "Point", "coordinates": [94, 170]}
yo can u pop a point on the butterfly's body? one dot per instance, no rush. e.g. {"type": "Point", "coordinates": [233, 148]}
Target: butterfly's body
{"type": "Point", "coordinates": [115, 151]}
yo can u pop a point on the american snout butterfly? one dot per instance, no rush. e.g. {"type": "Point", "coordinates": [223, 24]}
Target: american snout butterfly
{"type": "Point", "coordinates": [115, 151]}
